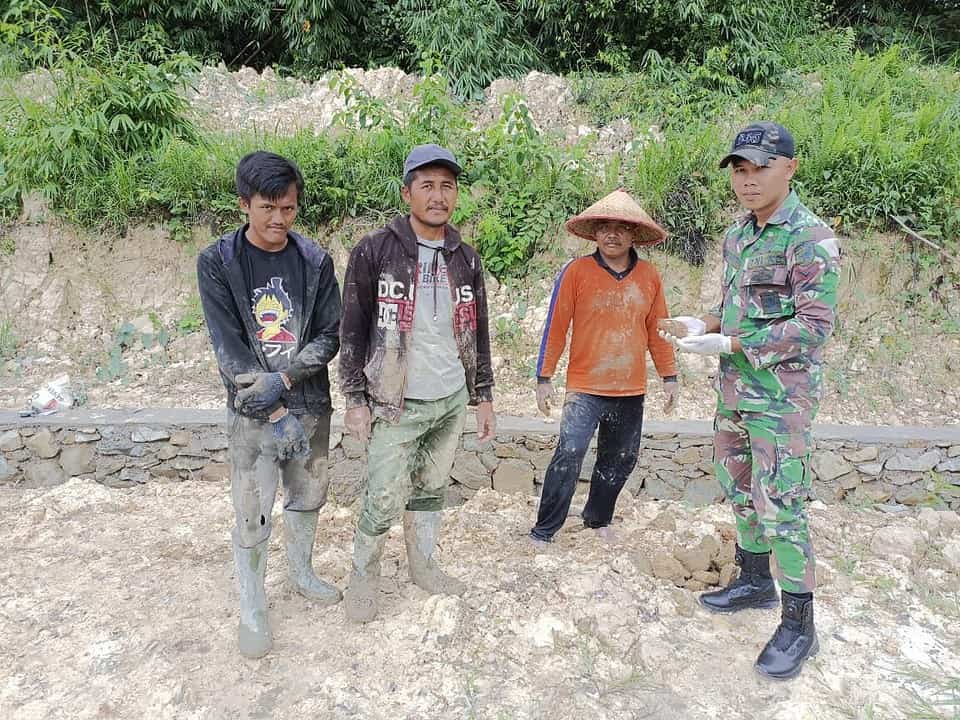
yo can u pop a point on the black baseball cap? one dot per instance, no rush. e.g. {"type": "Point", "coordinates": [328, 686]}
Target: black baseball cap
{"type": "Point", "coordinates": [759, 142]}
{"type": "Point", "coordinates": [430, 155]}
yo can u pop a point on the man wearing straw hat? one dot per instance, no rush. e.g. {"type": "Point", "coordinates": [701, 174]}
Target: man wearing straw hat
{"type": "Point", "coordinates": [613, 300]}
{"type": "Point", "coordinates": [780, 273]}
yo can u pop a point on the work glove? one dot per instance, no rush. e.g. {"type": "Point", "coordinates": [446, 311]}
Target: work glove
{"type": "Point", "coordinates": [290, 437]}
{"type": "Point", "coordinates": [545, 397]}
{"type": "Point", "coordinates": [694, 326]}
{"type": "Point", "coordinates": [357, 422]}
{"type": "Point", "coordinates": [710, 344]}
{"type": "Point", "coordinates": [671, 391]}
{"type": "Point", "coordinates": [259, 392]}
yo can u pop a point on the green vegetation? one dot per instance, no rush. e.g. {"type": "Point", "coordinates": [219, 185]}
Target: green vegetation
{"type": "Point", "coordinates": [104, 134]}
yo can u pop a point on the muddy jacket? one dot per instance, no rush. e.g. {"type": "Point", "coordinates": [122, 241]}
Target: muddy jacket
{"type": "Point", "coordinates": [379, 291]}
{"type": "Point", "coordinates": [233, 330]}
{"type": "Point", "coordinates": [780, 299]}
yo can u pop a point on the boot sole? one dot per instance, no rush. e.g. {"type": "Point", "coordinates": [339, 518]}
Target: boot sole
{"type": "Point", "coordinates": [765, 605]}
{"type": "Point", "coordinates": [813, 652]}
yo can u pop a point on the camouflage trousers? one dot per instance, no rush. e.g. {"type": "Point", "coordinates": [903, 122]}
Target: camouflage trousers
{"type": "Point", "coordinates": [409, 462]}
{"type": "Point", "coordinates": [762, 463]}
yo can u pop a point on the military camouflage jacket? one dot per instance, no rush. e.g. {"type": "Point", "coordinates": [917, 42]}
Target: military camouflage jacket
{"type": "Point", "coordinates": [780, 300]}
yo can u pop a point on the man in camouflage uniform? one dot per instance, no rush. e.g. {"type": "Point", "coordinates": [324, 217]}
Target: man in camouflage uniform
{"type": "Point", "coordinates": [780, 276]}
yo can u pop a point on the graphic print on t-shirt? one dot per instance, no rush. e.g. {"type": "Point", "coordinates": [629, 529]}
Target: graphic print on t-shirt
{"type": "Point", "coordinates": [272, 309]}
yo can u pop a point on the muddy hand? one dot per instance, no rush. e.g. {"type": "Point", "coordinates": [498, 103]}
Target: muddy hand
{"type": "Point", "coordinates": [357, 422]}
{"type": "Point", "coordinates": [290, 438]}
{"type": "Point", "coordinates": [545, 397]}
{"type": "Point", "coordinates": [671, 391]}
{"type": "Point", "coordinates": [260, 392]}
{"type": "Point", "coordinates": [486, 421]}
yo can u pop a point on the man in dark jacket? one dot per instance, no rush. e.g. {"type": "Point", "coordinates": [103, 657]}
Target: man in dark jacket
{"type": "Point", "coordinates": [416, 351]}
{"type": "Point", "coordinates": [272, 307]}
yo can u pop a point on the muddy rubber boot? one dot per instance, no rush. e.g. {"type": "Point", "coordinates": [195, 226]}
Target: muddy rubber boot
{"type": "Point", "coordinates": [420, 531]}
{"type": "Point", "coordinates": [299, 531]}
{"type": "Point", "coordinates": [360, 597]}
{"type": "Point", "coordinates": [254, 636]}
{"type": "Point", "coordinates": [794, 640]}
{"type": "Point", "coordinates": [753, 588]}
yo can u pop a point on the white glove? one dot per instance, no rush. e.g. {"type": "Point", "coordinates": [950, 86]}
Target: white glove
{"type": "Point", "coordinates": [712, 344]}
{"type": "Point", "coordinates": [695, 326]}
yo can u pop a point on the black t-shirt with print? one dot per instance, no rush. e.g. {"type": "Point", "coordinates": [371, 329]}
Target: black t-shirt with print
{"type": "Point", "coordinates": [275, 281]}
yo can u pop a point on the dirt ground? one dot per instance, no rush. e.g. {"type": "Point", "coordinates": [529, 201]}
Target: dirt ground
{"type": "Point", "coordinates": [122, 604]}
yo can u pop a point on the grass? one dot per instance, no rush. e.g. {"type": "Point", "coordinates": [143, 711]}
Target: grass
{"type": "Point", "coordinates": [934, 692]}
{"type": "Point", "coordinates": [8, 340]}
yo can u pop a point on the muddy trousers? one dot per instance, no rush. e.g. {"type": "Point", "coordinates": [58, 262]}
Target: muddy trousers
{"type": "Point", "coordinates": [618, 446]}
{"type": "Point", "coordinates": [409, 462]}
{"type": "Point", "coordinates": [255, 474]}
{"type": "Point", "coordinates": [762, 462]}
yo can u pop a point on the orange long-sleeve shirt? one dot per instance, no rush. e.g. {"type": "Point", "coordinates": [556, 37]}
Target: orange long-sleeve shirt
{"type": "Point", "coordinates": [614, 324]}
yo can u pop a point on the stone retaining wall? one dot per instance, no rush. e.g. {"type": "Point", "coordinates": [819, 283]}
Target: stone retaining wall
{"type": "Point", "coordinates": [889, 467]}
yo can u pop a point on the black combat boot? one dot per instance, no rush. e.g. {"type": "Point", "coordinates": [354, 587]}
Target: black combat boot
{"type": "Point", "coordinates": [793, 641]}
{"type": "Point", "coordinates": [753, 588]}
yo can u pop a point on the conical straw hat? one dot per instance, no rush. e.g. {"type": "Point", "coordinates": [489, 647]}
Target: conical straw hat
{"type": "Point", "coordinates": [620, 207]}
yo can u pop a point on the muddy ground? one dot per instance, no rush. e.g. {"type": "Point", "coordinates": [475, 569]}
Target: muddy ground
{"type": "Point", "coordinates": [122, 604]}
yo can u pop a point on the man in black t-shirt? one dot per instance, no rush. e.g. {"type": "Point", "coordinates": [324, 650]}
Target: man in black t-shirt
{"type": "Point", "coordinates": [272, 306]}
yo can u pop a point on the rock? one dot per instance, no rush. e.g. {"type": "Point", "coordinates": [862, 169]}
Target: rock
{"type": "Point", "coordinates": [167, 452]}
{"type": "Point", "coordinates": [667, 567]}
{"type": "Point", "coordinates": [687, 456]}
{"type": "Point", "coordinates": [829, 465]}
{"type": "Point", "coordinates": [134, 476]}
{"type": "Point", "coordinates": [116, 442]}
{"type": "Point", "coordinates": [953, 451]}
{"type": "Point", "coordinates": [43, 474]}
{"type": "Point", "coordinates": [44, 444]}
{"type": "Point", "coordinates": [666, 520]}
{"type": "Point", "coordinates": [187, 462]}
{"type": "Point", "coordinates": [727, 574]}
{"type": "Point", "coordinates": [513, 476]}
{"type": "Point", "coordinates": [905, 541]}
{"type": "Point", "coordinates": [85, 437]}
{"type": "Point", "coordinates": [871, 469]}
{"type": "Point", "coordinates": [541, 632]}
{"type": "Point", "coordinates": [469, 471]}
{"type": "Point", "coordinates": [78, 460]}
{"type": "Point", "coordinates": [849, 481]}
{"type": "Point", "coordinates": [951, 553]}
{"type": "Point", "coordinates": [216, 443]}
{"type": "Point", "coordinates": [7, 471]}
{"type": "Point", "coordinates": [897, 477]}
{"type": "Point", "coordinates": [654, 487]}
{"type": "Point", "coordinates": [710, 545]}
{"type": "Point", "coordinates": [215, 472]}
{"type": "Point", "coordinates": [643, 564]}
{"type": "Point", "coordinates": [702, 491]}
{"type": "Point", "coordinates": [952, 465]}
{"type": "Point", "coordinates": [10, 441]}
{"type": "Point", "coordinates": [694, 559]}
{"type": "Point", "coordinates": [707, 577]}
{"type": "Point", "coordinates": [949, 522]}
{"type": "Point", "coordinates": [922, 463]}
{"type": "Point", "coordinates": [726, 554]}
{"type": "Point", "coordinates": [109, 465]}
{"type": "Point", "coordinates": [489, 460]}
{"type": "Point", "coordinates": [862, 455]}
{"type": "Point", "coordinates": [911, 495]}
{"type": "Point", "coordinates": [504, 450]}
{"type": "Point", "coordinates": [538, 443]}
{"type": "Point", "coordinates": [696, 441]}
{"type": "Point", "coordinates": [148, 434]}
{"type": "Point", "coordinates": [181, 438]}
{"type": "Point", "coordinates": [441, 614]}
{"type": "Point", "coordinates": [871, 494]}
{"type": "Point", "coordinates": [694, 585]}
{"type": "Point", "coordinates": [929, 520]}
